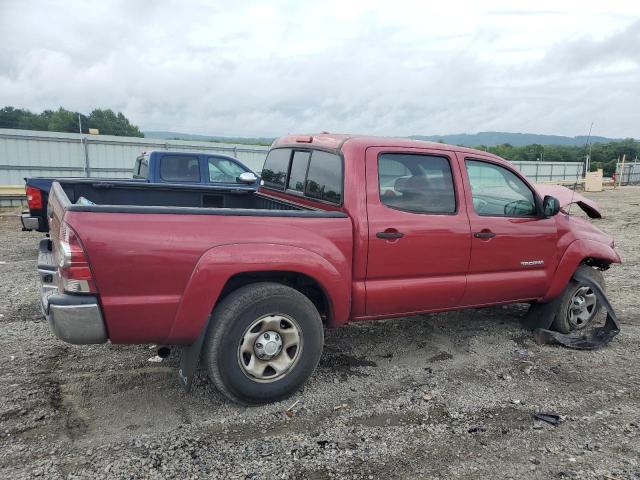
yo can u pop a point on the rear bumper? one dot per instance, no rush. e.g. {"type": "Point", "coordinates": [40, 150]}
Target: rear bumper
{"type": "Point", "coordinates": [73, 318]}
{"type": "Point", "coordinates": [30, 223]}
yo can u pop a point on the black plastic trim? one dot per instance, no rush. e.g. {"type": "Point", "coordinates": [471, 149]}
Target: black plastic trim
{"type": "Point", "coordinates": [67, 300]}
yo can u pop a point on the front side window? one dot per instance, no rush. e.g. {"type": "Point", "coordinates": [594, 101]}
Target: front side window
{"type": "Point", "coordinates": [276, 166]}
{"type": "Point", "coordinates": [224, 170]}
{"type": "Point", "coordinates": [180, 168]}
{"type": "Point", "coordinates": [416, 183]}
{"type": "Point", "coordinates": [496, 191]}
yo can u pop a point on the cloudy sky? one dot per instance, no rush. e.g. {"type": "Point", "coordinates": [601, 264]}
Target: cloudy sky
{"type": "Point", "coordinates": [382, 67]}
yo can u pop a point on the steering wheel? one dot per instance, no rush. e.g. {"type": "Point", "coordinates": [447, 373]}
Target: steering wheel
{"type": "Point", "coordinates": [518, 207]}
{"type": "Point", "coordinates": [479, 204]}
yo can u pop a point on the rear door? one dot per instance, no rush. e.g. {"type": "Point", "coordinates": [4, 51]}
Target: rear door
{"type": "Point", "coordinates": [419, 236]}
{"type": "Point", "coordinates": [513, 249]}
{"type": "Point", "coordinates": [179, 168]}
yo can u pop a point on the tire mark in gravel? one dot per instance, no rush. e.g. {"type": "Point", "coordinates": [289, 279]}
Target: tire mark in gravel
{"type": "Point", "coordinates": [65, 399]}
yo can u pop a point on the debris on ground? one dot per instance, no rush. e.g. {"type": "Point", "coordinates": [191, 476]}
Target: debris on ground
{"type": "Point", "coordinates": [105, 411]}
{"type": "Point", "coordinates": [550, 418]}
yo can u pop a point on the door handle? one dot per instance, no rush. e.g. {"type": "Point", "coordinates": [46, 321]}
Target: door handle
{"type": "Point", "coordinates": [389, 234]}
{"type": "Point", "coordinates": [484, 234]}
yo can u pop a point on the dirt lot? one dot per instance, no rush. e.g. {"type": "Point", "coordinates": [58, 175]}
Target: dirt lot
{"type": "Point", "coordinates": [435, 396]}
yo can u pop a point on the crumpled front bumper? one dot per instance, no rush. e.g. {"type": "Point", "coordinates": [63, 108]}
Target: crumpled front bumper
{"type": "Point", "coordinates": [73, 318]}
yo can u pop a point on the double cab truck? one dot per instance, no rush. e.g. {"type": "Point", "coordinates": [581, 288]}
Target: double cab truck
{"type": "Point", "coordinates": [344, 228]}
{"type": "Point", "coordinates": [161, 167]}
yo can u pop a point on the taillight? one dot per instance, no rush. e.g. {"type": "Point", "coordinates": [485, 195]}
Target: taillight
{"type": "Point", "coordinates": [34, 198]}
{"type": "Point", "coordinates": [74, 273]}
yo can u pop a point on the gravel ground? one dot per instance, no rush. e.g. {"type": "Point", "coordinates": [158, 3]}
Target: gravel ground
{"type": "Point", "coordinates": [434, 396]}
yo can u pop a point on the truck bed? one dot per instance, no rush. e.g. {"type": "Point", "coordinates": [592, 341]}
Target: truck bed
{"type": "Point", "coordinates": [140, 197]}
{"type": "Point", "coordinates": [162, 255]}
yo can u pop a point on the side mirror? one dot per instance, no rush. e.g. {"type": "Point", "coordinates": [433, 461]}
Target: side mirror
{"type": "Point", "coordinates": [247, 177]}
{"type": "Point", "coordinates": [550, 206]}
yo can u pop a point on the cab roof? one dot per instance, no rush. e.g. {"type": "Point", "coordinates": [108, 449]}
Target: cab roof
{"type": "Point", "coordinates": [335, 141]}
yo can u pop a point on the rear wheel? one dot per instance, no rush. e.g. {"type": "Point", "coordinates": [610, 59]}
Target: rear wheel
{"type": "Point", "coordinates": [263, 344]}
{"type": "Point", "coordinates": [579, 305]}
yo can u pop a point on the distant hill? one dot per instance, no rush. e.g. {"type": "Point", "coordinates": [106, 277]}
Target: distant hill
{"type": "Point", "coordinates": [208, 138]}
{"type": "Point", "coordinates": [491, 139]}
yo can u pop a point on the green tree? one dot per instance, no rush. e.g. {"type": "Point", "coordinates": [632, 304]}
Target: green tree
{"type": "Point", "coordinates": [106, 121]}
{"type": "Point", "coordinates": [65, 121]}
{"type": "Point", "coordinates": [110, 123]}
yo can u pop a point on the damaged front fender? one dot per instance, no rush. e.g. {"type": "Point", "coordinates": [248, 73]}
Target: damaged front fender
{"type": "Point", "coordinates": [567, 196]}
{"type": "Point", "coordinates": [577, 252]}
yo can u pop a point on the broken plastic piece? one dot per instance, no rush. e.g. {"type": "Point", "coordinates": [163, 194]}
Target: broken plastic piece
{"type": "Point", "coordinates": [551, 418]}
{"type": "Point", "coordinates": [478, 429]}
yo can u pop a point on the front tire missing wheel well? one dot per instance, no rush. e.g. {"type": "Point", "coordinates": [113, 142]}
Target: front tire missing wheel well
{"type": "Point", "coordinates": [598, 263]}
{"type": "Point", "coordinates": [306, 285]}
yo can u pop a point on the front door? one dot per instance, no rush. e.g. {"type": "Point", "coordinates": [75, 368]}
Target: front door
{"type": "Point", "coordinates": [513, 249]}
{"type": "Point", "coordinates": [419, 236]}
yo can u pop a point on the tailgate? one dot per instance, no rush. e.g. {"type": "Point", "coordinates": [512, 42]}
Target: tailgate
{"type": "Point", "coordinates": [58, 203]}
{"type": "Point", "coordinates": [47, 265]}
{"type": "Point", "coordinates": [73, 317]}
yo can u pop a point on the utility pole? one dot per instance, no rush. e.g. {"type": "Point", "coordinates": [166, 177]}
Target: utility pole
{"type": "Point", "coordinates": [87, 170]}
{"type": "Point", "coordinates": [588, 159]}
{"type": "Point", "coordinates": [622, 170]}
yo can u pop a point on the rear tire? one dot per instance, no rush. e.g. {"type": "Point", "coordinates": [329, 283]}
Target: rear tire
{"type": "Point", "coordinates": [264, 342]}
{"type": "Point", "coordinates": [578, 304]}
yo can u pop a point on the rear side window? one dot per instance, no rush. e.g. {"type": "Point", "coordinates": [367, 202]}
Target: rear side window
{"type": "Point", "coordinates": [136, 167]}
{"type": "Point", "coordinates": [314, 173]}
{"type": "Point", "coordinates": [324, 179]}
{"type": "Point", "coordinates": [143, 172]}
{"type": "Point", "coordinates": [416, 183]}
{"type": "Point", "coordinates": [180, 168]}
{"type": "Point", "coordinates": [298, 173]}
{"type": "Point", "coordinates": [276, 167]}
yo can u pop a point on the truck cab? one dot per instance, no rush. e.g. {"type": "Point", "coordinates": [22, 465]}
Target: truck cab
{"type": "Point", "coordinates": [161, 166]}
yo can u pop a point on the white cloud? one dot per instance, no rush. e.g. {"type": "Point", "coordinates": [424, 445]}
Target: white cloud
{"type": "Point", "coordinates": [399, 68]}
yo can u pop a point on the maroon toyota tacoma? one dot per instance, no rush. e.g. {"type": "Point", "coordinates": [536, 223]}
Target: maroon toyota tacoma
{"type": "Point", "coordinates": [344, 228]}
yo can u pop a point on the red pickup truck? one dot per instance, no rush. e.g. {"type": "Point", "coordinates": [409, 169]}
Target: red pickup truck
{"type": "Point", "coordinates": [344, 228]}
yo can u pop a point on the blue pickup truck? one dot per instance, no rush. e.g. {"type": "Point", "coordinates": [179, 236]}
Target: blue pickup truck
{"type": "Point", "coordinates": [214, 171]}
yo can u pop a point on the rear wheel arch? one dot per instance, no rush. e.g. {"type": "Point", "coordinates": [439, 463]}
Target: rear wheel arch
{"type": "Point", "coordinates": [224, 268]}
{"type": "Point", "coordinates": [305, 284]}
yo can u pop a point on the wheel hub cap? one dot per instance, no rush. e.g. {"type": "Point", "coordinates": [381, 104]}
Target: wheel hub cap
{"type": "Point", "coordinates": [582, 308]}
{"type": "Point", "coordinates": [268, 345]}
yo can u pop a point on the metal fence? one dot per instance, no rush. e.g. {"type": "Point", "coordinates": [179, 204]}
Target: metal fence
{"type": "Point", "coordinates": [25, 153]}
{"type": "Point", "coordinates": [552, 172]}
{"type": "Point", "coordinates": [630, 175]}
